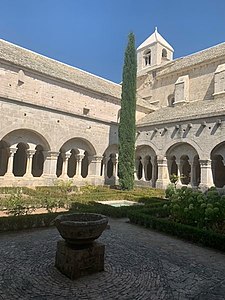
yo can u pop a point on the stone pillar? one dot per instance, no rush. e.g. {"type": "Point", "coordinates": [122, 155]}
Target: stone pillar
{"type": "Point", "coordinates": [144, 169]}
{"type": "Point", "coordinates": [136, 169]}
{"type": "Point", "coordinates": [154, 171]}
{"type": "Point", "coordinates": [9, 172]}
{"type": "Point", "coordinates": [179, 171]}
{"type": "Point", "coordinates": [50, 164]}
{"type": "Point", "coordinates": [169, 163]}
{"type": "Point", "coordinates": [206, 173]}
{"type": "Point", "coordinates": [95, 170]}
{"type": "Point", "coordinates": [193, 173]}
{"type": "Point", "coordinates": [163, 174]}
{"type": "Point", "coordinates": [79, 158]}
{"type": "Point", "coordinates": [66, 157]}
{"type": "Point", "coordinates": [115, 165]}
{"type": "Point", "coordinates": [30, 154]}
{"type": "Point", "coordinates": [96, 162]}
{"type": "Point", "coordinates": [105, 163]}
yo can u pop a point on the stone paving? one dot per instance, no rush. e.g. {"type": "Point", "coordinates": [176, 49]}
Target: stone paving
{"type": "Point", "coordinates": [140, 264]}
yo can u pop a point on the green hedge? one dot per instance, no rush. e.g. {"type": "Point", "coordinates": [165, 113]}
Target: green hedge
{"type": "Point", "coordinates": [16, 223]}
{"type": "Point", "coordinates": [193, 234]}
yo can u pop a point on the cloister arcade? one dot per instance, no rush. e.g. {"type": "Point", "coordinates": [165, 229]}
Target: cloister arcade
{"type": "Point", "coordinates": [183, 161]}
{"type": "Point", "coordinates": [146, 165]}
{"type": "Point", "coordinates": [27, 154]}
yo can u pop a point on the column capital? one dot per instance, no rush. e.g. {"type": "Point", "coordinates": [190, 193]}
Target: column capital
{"type": "Point", "coordinates": [79, 156]}
{"type": "Point", "coordinates": [97, 158]}
{"type": "Point", "coordinates": [12, 150]}
{"type": "Point", "coordinates": [66, 155]}
{"type": "Point", "coordinates": [30, 153]}
{"type": "Point", "coordinates": [51, 154]}
{"type": "Point", "coordinates": [161, 159]}
{"type": "Point", "coordinates": [205, 162]}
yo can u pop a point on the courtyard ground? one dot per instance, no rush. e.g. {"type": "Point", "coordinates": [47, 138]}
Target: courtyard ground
{"type": "Point", "coordinates": [140, 264]}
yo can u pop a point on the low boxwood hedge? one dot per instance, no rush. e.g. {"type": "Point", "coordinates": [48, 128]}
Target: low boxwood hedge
{"type": "Point", "coordinates": [16, 223]}
{"type": "Point", "coordinates": [154, 220]}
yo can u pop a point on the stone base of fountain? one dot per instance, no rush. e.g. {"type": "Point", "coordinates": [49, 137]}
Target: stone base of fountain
{"type": "Point", "coordinates": [77, 261]}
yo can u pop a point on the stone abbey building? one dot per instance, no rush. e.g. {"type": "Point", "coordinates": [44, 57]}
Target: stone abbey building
{"type": "Point", "coordinates": [59, 122]}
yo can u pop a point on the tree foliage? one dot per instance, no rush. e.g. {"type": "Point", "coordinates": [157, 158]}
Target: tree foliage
{"type": "Point", "coordinates": [127, 126]}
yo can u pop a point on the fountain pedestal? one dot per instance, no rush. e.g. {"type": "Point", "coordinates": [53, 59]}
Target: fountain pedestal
{"type": "Point", "coordinates": [74, 262]}
{"type": "Point", "coordinates": [80, 254]}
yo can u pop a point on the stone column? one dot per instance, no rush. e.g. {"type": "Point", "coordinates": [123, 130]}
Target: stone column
{"type": "Point", "coordinates": [163, 174]}
{"type": "Point", "coordinates": [154, 171]}
{"type": "Point", "coordinates": [79, 158]}
{"type": "Point", "coordinates": [144, 169]}
{"type": "Point", "coordinates": [206, 173]}
{"type": "Point", "coordinates": [50, 164]}
{"type": "Point", "coordinates": [169, 163]}
{"type": "Point", "coordinates": [9, 172]}
{"type": "Point", "coordinates": [180, 164]}
{"type": "Point", "coordinates": [193, 172]}
{"type": "Point", "coordinates": [115, 165]}
{"type": "Point", "coordinates": [136, 169]}
{"type": "Point", "coordinates": [65, 157]}
{"type": "Point", "coordinates": [105, 162]}
{"type": "Point", "coordinates": [30, 154]}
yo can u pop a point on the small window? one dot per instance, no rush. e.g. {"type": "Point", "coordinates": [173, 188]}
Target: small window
{"type": "Point", "coordinates": [86, 111]}
{"type": "Point", "coordinates": [171, 100]}
{"type": "Point", "coordinates": [147, 58]}
{"type": "Point", "coordinates": [164, 53]}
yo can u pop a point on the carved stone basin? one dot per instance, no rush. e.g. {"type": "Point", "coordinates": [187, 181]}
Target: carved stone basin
{"type": "Point", "coordinates": [81, 228]}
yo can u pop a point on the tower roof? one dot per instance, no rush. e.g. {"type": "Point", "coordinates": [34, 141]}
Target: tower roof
{"type": "Point", "coordinates": [155, 38]}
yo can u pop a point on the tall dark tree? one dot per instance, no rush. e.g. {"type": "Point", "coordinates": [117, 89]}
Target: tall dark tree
{"type": "Point", "coordinates": [127, 126]}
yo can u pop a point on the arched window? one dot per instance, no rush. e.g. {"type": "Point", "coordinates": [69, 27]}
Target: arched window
{"type": "Point", "coordinates": [147, 58]}
{"type": "Point", "coordinates": [164, 53]}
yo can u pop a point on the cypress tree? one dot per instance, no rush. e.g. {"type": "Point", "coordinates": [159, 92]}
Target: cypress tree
{"type": "Point", "coordinates": [127, 126]}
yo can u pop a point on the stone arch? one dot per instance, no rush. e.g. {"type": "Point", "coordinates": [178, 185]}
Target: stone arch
{"type": "Point", "coordinates": [25, 143]}
{"type": "Point", "coordinates": [78, 143]}
{"type": "Point", "coordinates": [183, 161]}
{"type": "Point", "coordinates": [191, 143]}
{"type": "Point", "coordinates": [25, 134]}
{"type": "Point", "coordinates": [74, 158]}
{"type": "Point", "coordinates": [218, 168]}
{"type": "Point", "coordinates": [146, 164]}
{"type": "Point", "coordinates": [110, 164]}
{"type": "Point", "coordinates": [146, 143]}
{"type": "Point", "coordinates": [28, 136]}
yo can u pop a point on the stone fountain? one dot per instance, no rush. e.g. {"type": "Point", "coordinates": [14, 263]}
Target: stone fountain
{"type": "Point", "coordinates": [79, 254]}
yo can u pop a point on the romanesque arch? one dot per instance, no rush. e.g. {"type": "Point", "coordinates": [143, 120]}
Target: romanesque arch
{"type": "Point", "coordinates": [21, 153]}
{"type": "Point", "coordinates": [218, 168]}
{"type": "Point", "coordinates": [183, 161]}
{"type": "Point", "coordinates": [109, 167]}
{"type": "Point", "coordinates": [74, 158]}
{"type": "Point", "coordinates": [146, 164]}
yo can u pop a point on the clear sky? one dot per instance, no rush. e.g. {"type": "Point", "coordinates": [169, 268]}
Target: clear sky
{"type": "Point", "coordinates": [92, 34]}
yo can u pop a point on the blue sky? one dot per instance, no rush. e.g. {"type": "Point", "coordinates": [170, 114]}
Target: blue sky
{"type": "Point", "coordinates": [92, 34]}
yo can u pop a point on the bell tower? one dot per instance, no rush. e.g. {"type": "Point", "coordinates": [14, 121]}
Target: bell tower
{"type": "Point", "coordinates": [154, 51]}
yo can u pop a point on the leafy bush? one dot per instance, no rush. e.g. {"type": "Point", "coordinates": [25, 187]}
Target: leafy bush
{"type": "Point", "coordinates": [198, 209]}
{"type": "Point", "coordinates": [16, 205]}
